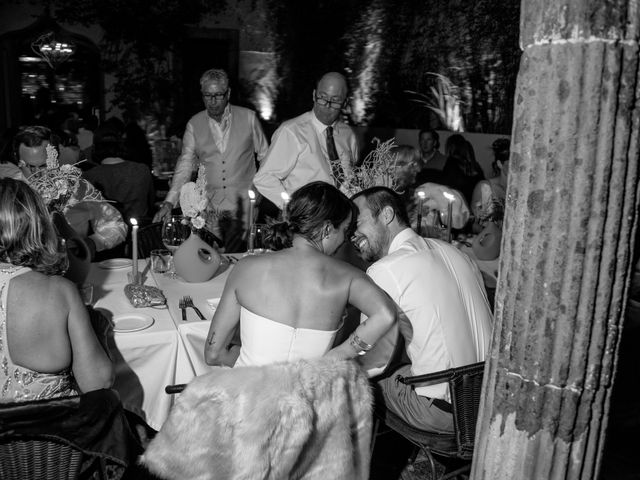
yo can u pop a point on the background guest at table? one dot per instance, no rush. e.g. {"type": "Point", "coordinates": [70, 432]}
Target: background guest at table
{"type": "Point", "coordinates": [487, 201]}
{"type": "Point", "coordinates": [461, 171]}
{"type": "Point", "coordinates": [47, 344]}
{"type": "Point", "coordinates": [444, 315]}
{"type": "Point", "coordinates": [98, 222]}
{"type": "Point", "coordinates": [432, 161]}
{"type": "Point", "coordinates": [316, 145]}
{"type": "Point", "coordinates": [290, 303]}
{"type": "Point", "coordinates": [127, 183]}
{"type": "Point", "coordinates": [227, 139]}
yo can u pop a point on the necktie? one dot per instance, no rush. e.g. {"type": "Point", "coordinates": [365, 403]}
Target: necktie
{"type": "Point", "coordinates": [336, 168]}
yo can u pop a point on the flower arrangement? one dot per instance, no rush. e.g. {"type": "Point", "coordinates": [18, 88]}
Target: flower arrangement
{"type": "Point", "coordinates": [194, 202]}
{"type": "Point", "coordinates": [59, 185]}
{"type": "Point", "coordinates": [377, 169]}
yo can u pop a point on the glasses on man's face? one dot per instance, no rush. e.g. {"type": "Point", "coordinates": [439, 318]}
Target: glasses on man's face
{"type": "Point", "coordinates": [324, 102]}
{"type": "Point", "coordinates": [215, 96]}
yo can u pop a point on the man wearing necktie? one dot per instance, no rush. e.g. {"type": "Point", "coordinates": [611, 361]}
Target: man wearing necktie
{"type": "Point", "coordinates": [316, 145]}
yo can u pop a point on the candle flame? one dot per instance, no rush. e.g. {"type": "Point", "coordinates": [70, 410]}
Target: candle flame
{"type": "Point", "coordinates": [133, 221]}
{"type": "Point", "coordinates": [284, 196]}
{"type": "Point", "coordinates": [421, 194]}
{"type": "Point", "coordinates": [449, 196]}
{"type": "Point", "coordinates": [252, 194]}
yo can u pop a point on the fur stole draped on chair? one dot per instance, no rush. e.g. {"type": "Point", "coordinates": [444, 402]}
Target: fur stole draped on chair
{"type": "Point", "coordinates": [301, 420]}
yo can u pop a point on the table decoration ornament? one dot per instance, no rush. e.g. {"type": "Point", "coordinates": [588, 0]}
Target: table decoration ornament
{"type": "Point", "coordinates": [144, 295]}
{"type": "Point", "coordinates": [196, 260]}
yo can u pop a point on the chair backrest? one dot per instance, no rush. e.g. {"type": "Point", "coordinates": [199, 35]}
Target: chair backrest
{"type": "Point", "coordinates": [309, 419]}
{"type": "Point", "coordinates": [66, 438]}
{"type": "Point", "coordinates": [465, 385]}
{"type": "Point", "coordinates": [149, 238]}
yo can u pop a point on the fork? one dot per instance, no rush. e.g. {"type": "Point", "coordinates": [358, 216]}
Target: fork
{"type": "Point", "coordinates": [182, 304]}
{"type": "Point", "coordinates": [188, 302]}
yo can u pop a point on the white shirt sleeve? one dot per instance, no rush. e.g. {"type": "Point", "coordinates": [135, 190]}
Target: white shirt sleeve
{"type": "Point", "coordinates": [107, 224]}
{"type": "Point", "coordinates": [278, 163]}
{"type": "Point", "coordinates": [260, 143]}
{"type": "Point", "coordinates": [184, 165]}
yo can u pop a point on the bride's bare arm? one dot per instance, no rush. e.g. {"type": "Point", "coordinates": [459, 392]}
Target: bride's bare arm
{"type": "Point", "coordinates": [225, 320]}
{"type": "Point", "coordinates": [372, 301]}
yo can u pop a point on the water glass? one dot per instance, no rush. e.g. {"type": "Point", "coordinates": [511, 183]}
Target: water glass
{"type": "Point", "coordinates": [161, 260]}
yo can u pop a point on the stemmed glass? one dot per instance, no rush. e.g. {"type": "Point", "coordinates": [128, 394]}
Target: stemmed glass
{"type": "Point", "coordinates": [174, 232]}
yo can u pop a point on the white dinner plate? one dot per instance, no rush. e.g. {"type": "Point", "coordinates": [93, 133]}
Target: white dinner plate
{"type": "Point", "coordinates": [114, 263]}
{"type": "Point", "coordinates": [131, 322]}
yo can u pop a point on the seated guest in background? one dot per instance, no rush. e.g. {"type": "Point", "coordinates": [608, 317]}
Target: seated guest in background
{"type": "Point", "coordinates": [47, 344]}
{"type": "Point", "coordinates": [8, 162]}
{"type": "Point", "coordinates": [98, 222]}
{"type": "Point", "coordinates": [407, 165]}
{"type": "Point", "coordinates": [316, 145]}
{"type": "Point", "coordinates": [489, 195]}
{"type": "Point", "coordinates": [130, 184]}
{"type": "Point", "coordinates": [227, 139]}
{"type": "Point", "coordinates": [290, 303]}
{"type": "Point", "coordinates": [461, 171]}
{"type": "Point", "coordinates": [444, 315]}
{"type": "Point", "coordinates": [431, 159]}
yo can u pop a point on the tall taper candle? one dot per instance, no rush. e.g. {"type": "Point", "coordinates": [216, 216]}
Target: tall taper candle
{"type": "Point", "coordinates": [450, 198]}
{"type": "Point", "coordinates": [285, 202]}
{"type": "Point", "coordinates": [421, 196]}
{"type": "Point", "coordinates": [252, 204]}
{"type": "Point", "coordinates": [134, 250]}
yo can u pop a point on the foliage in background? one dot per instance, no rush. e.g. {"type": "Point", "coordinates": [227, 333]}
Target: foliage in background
{"type": "Point", "coordinates": [444, 101]}
{"type": "Point", "coordinates": [139, 40]}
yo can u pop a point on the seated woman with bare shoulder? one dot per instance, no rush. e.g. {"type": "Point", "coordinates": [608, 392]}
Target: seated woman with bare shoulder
{"type": "Point", "coordinates": [290, 303]}
{"type": "Point", "coordinates": [48, 348]}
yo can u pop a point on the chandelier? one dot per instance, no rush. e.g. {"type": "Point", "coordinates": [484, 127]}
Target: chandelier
{"type": "Point", "coordinates": [52, 51]}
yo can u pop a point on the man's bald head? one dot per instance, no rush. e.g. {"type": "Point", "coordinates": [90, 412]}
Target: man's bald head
{"type": "Point", "coordinates": [329, 97]}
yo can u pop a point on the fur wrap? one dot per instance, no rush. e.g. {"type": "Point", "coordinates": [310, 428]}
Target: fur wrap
{"type": "Point", "coordinates": [297, 420]}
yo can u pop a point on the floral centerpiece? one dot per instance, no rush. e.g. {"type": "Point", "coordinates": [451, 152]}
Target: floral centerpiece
{"type": "Point", "coordinates": [62, 186]}
{"type": "Point", "coordinates": [377, 169]}
{"type": "Point", "coordinates": [197, 258]}
{"type": "Point", "coordinates": [195, 205]}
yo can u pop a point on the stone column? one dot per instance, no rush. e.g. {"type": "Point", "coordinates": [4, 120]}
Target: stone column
{"type": "Point", "coordinates": [571, 212]}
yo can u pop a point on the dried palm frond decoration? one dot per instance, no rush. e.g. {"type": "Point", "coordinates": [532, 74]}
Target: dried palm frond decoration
{"type": "Point", "coordinates": [377, 169]}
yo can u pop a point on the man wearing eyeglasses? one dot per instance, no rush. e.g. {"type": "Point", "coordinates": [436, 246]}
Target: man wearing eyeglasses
{"type": "Point", "coordinates": [226, 138]}
{"type": "Point", "coordinates": [316, 145]}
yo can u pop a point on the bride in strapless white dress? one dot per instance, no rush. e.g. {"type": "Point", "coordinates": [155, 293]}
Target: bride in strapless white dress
{"type": "Point", "coordinates": [289, 303]}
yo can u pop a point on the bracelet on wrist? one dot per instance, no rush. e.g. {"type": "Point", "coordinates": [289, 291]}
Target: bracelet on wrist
{"type": "Point", "coordinates": [360, 346]}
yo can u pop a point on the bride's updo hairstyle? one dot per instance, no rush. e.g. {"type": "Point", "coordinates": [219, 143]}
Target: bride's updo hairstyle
{"type": "Point", "coordinates": [310, 207]}
{"type": "Point", "coordinates": [27, 235]}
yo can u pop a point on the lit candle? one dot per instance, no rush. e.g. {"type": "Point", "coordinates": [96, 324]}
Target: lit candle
{"type": "Point", "coordinates": [134, 250]}
{"type": "Point", "coordinates": [421, 197]}
{"type": "Point", "coordinates": [252, 203]}
{"type": "Point", "coordinates": [450, 198]}
{"type": "Point", "coordinates": [285, 202]}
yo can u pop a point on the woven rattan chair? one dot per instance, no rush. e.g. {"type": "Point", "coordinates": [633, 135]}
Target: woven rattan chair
{"type": "Point", "coordinates": [85, 436]}
{"type": "Point", "coordinates": [465, 385]}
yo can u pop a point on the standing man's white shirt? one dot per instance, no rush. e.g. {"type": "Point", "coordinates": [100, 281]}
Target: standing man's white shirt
{"type": "Point", "coordinates": [445, 317]}
{"type": "Point", "coordinates": [298, 155]}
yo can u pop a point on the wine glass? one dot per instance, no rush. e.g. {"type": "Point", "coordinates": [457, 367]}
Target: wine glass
{"type": "Point", "coordinates": [174, 232]}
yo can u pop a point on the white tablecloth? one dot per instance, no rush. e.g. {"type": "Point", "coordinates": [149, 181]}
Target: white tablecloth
{"type": "Point", "coordinates": [146, 360]}
{"type": "Point", "coordinates": [193, 332]}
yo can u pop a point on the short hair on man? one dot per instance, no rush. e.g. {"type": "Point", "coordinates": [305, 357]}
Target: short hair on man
{"type": "Point", "coordinates": [33, 136]}
{"type": "Point", "coordinates": [379, 197]}
{"type": "Point", "coordinates": [214, 75]}
{"type": "Point", "coordinates": [434, 135]}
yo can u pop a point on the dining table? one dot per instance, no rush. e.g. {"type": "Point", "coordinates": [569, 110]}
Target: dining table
{"type": "Point", "coordinates": [152, 347]}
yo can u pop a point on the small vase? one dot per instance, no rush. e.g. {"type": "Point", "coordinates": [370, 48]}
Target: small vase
{"type": "Point", "coordinates": [195, 260]}
{"type": "Point", "coordinates": [78, 253]}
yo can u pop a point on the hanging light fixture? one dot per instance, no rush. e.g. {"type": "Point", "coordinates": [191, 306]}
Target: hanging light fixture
{"type": "Point", "coordinates": [52, 51]}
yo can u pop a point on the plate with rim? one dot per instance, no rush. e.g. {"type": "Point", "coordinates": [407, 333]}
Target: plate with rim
{"type": "Point", "coordinates": [115, 263]}
{"type": "Point", "coordinates": [131, 322]}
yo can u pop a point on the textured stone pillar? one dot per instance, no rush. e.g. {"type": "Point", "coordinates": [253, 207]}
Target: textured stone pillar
{"type": "Point", "coordinates": [572, 204]}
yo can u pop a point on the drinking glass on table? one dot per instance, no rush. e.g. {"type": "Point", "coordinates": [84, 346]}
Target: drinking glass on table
{"type": "Point", "coordinates": [174, 232]}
